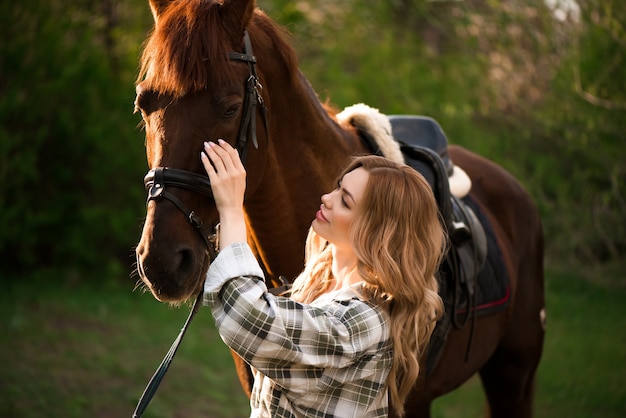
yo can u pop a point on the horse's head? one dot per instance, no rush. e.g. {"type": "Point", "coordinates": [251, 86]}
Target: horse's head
{"type": "Point", "coordinates": [196, 83]}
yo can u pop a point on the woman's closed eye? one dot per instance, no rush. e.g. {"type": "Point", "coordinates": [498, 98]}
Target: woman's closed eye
{"type": "Point", "coordinates": [342, 193]}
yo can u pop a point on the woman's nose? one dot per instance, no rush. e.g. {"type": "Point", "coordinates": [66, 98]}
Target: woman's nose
{"type": "Point", "coordinates": [326, 199]}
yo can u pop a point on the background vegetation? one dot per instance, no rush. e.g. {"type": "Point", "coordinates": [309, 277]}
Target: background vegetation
{"type": "Point", "coordinates": [537, 86]}
{"type": "Point", "coordinates": [74, 350]}
{"type": "Point", "coordinates": [541, 91]}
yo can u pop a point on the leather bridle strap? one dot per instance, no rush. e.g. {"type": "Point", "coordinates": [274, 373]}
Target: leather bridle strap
{"type": "Point", "coordinates": [155, 182]}
{"type": "Point", "coordinates": [156, 379]}
{"type": "Point", "coordinates": [157, 178]}
{"type": "Point", "coordinates": [252, 96]}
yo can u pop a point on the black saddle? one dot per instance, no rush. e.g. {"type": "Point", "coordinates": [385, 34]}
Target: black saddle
{"type": "Point", "coordinates": [421, 131]}
{"type": "Point", "coordinates": [425, 148]}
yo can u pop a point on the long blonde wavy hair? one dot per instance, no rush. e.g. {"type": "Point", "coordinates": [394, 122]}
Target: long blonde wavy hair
{"type": "Point", "coordinates": [399, 242]}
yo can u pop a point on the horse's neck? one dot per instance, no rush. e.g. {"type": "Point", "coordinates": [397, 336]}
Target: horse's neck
{"type": "Point", "coordinates": [306, 127]}
{"type": "Point", "coordinates": [308, 150]}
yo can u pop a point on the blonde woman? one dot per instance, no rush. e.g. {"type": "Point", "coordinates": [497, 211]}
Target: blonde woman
{"type": "Point", "coordinates": [347, 341]}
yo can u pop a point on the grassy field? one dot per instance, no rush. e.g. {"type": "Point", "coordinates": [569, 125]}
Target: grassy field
{"type": "Point", "coordinates": [72, 349]}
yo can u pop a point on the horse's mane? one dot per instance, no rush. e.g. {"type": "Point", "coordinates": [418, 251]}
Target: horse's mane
{"type": "Point", "coordinates": [187, 50]}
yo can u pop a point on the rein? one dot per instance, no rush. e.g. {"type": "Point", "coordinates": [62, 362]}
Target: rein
{"type": "Point", "coordinates": [158, 178]}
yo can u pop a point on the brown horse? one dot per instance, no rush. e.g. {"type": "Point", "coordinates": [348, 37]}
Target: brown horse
{"type": "Point", "coordinates": [199, 81]}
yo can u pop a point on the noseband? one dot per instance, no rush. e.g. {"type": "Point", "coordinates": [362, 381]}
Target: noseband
{"type": "Point", "coordinates": [157, 179]}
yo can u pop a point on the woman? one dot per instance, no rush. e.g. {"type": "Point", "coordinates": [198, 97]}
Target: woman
{"type": "Point", "coordinates": [349, 337]}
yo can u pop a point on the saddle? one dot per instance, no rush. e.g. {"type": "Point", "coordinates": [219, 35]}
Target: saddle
{"type": "Point", "coordinates": [425, 148]}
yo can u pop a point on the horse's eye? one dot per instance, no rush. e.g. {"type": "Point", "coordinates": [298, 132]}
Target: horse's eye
{"type": "Point", "coordinates": [231, 111]}
{"type": "Point", "coordinates": [146, 100]}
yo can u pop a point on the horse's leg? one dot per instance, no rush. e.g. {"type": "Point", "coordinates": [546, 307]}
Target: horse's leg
{"type": "Point", "coordinates": [244, 373]}
{"type": "Point", "coordinates": [509, 376]}
{"type": "Point", "coordinates": [416, 406]}
{"type": "Point", "coordinates": [509, 385]}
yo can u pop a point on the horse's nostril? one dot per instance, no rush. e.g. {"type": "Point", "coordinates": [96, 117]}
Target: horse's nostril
{"type": "Point", "coordinates": [184, 264]}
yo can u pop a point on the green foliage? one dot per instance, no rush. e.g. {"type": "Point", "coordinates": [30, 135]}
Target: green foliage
{"type": "Point", "coordinates": [543, 97]}
{"type": "Point", "coordinates": [578, 171]}
{"type": "Point", "coordinates": [70, 182]}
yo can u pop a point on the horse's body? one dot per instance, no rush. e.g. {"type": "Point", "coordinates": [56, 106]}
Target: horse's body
{"type": "Point", "coordinates": [192, 93]}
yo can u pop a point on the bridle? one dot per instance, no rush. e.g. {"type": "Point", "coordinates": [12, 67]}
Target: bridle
{"type": "Point", "coordinates": [157, 179]}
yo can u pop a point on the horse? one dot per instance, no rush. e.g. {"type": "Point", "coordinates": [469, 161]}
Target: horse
{"type": "Point", "coordinates": [223, 69]}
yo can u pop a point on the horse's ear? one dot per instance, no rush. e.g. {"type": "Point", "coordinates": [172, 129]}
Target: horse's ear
{"type": "Point", "coordinates": [239, 12]}
{"type": "Point", "coordinates": [158, 7]}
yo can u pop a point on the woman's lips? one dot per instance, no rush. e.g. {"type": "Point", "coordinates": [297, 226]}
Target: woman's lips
{"type": "Point", "coordinates": [320, 216]}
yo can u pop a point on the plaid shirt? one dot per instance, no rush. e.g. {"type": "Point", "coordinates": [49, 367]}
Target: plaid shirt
{"type": "Point", "coordinates": [327, 359]}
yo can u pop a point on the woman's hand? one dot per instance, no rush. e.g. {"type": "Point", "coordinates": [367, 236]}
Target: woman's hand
{"type": "Point", "coordinates": [228, 183]}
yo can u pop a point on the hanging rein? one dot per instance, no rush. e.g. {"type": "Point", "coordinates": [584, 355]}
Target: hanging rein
{"type": "Point", "coordinates": [157, 179]}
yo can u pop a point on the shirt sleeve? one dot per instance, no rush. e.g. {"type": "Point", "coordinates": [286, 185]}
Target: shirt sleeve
{"type": "Point", "coordinates": [283, 338]}
{"type": "Point", "coordinates": [233, 261]}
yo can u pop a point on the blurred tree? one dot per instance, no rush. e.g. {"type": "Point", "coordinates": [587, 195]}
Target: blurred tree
{"type": "Point", "coordinates": [70, 177]}
{"type": "Point", "coordinates": [535, 85]}
{"type": "Point", "coordinates": [582, 122]}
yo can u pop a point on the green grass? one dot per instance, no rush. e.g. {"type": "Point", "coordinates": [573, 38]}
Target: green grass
{"type": "Point", "coordinates": [583, 368]}
{"type": "Point", "coordinates": [77, 350]}
{"type": "Point", "coordinates": [90, 349]}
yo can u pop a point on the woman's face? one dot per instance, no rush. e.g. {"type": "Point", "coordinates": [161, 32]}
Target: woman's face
{"type": "Point", "coordinates": [332, 221]}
